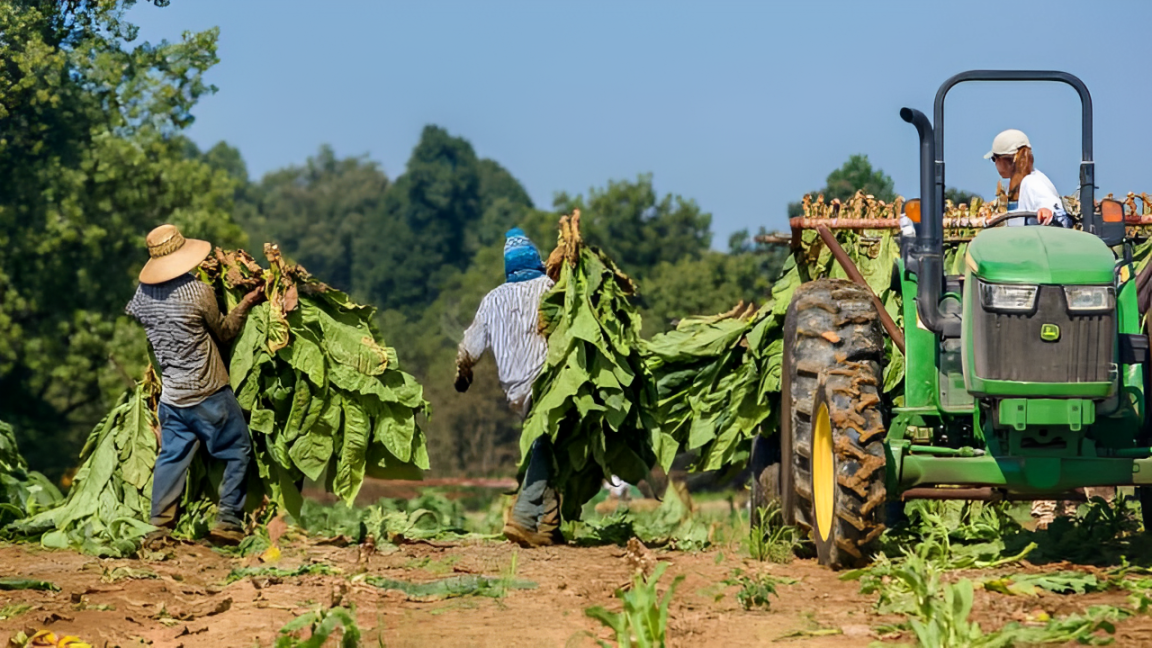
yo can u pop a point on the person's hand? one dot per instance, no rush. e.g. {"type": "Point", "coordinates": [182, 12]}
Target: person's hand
{"type": "Point", "coordinates": [255, 296]}
{"type": "Point", "coordinates": [1044, 215]}
{"type": "Point", "coordinates": [463, 379]}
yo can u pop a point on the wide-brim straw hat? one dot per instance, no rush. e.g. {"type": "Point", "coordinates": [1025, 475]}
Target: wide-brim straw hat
{"type": "Point", "coordinates": [171, 255]}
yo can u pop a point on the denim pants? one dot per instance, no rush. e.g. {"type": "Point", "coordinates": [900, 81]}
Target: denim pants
{"type": "Point", "coordinates": [536, 495]}
{"type": "Point", "coordinates": [218, 424]}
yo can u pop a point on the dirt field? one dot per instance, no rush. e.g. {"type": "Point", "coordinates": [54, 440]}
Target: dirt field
{"type": "Point", "coordinates": [189, 603]}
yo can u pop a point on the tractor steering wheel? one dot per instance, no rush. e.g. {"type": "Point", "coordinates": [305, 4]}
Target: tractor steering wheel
{"type": "Point", "coordinates": [993, 222]}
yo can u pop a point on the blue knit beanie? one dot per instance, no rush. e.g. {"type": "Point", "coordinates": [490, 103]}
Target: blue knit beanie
{"type": "Point", "coordinates": [521, 259]}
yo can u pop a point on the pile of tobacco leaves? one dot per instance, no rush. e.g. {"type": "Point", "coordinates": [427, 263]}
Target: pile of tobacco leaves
{"type": "Point", "coordinates": [595, 399]}
{"type": "Point", "coordinates": [326, 398]}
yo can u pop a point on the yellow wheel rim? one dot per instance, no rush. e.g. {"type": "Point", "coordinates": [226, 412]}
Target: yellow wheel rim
{"type": "Point", "coordinates": [823, 474]}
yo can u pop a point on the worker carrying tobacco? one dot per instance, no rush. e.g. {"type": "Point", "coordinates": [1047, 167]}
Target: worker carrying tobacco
{"type": "Point", "coordinates": [507, 323]}
{"type": "Point", "coordinates": [197, 406]}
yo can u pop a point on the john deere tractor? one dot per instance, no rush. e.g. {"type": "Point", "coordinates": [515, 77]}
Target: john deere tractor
{"type": "Point", "coordinates": [1024, 378]}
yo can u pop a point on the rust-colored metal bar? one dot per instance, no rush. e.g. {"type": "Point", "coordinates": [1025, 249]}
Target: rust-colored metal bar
{"type": "Point", "coordinates": [854, 274]}
{"type": "Point", "coordinates": [974, 222]}
{"type": "Point", "coordinates": [985, 494]}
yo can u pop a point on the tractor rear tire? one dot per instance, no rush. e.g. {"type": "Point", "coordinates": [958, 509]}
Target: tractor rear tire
{"type": "Point", "coordinates": [832, 421]}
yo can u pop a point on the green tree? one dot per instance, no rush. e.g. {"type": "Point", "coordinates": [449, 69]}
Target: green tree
{"type": "Point", "coordinates": [854, 175]}
{"type": "Point", "coordinates": [504, 204]}
{"type": "Point", "coordinates": [315, 212]}
{"type": "Point", "coordinates": [417, 236]}
{"type": "Point", "coordinates": [92, 158]}
{"type": "Point", "coordinates": [958, 196]}
{"type": "Point", "coordinates": [637, 228]}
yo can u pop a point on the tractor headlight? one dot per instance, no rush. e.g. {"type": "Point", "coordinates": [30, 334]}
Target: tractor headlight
{"type": "Point", "coordinates": [1008, 297]}
{"type": "Point", "coordinates": [1089, 299]}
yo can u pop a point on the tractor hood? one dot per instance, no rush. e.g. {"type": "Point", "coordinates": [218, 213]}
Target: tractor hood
{"type": "Point", "coordinates": [1040, 255]}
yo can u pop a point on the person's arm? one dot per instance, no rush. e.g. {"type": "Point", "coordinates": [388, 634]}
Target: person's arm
{"type": "Point", "coordinates": [472, 347]}
{"type": "Point", "coordinates": [226, 328]}
{"type": "Point", "coordinates": [1039, 197]}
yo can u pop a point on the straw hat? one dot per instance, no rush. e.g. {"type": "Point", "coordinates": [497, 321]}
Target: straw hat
{"type": "Point", "coordinates": [171, 255]}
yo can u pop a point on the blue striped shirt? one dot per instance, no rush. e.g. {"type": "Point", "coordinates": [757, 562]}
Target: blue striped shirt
{"type": "Point", "coordinates": [506, 322]}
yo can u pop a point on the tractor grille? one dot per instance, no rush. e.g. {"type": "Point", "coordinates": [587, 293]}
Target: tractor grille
{"type": "Point", "coordinates": [1008, 346]}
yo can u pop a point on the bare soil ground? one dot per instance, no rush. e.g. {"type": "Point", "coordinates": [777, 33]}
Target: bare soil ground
{"type": "Point", "coordinates": [190, 603]}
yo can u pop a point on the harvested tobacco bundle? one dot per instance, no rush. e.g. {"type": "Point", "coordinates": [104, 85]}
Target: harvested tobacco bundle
{"type": "Point", "coordinates": [327, 400]}
{"type": "Point", "coordinates": [595, 399]}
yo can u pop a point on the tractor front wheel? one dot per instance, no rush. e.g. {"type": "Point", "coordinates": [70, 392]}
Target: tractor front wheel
{"type": "Point", "coordinates": [848, 495]}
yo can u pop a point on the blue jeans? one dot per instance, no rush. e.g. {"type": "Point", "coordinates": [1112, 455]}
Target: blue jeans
{"type": "Point", "coordinates": [218, 423]}
{"type": "Point", "coordinates": [535, 492]}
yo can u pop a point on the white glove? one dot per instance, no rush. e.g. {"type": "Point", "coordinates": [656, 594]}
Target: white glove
{"type": "Point", "coordinates": [907, 227]}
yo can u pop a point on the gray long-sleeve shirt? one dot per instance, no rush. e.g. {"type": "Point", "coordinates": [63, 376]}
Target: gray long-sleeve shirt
{"type": "Point", "coordinates": [181, 318]}
{"type": "Point", "coordinates": [506, 322]}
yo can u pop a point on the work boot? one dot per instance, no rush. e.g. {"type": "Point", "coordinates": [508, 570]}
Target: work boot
{"type": "Point", "coordinates": [226, 534]}
{"type": "Point", "coordinates": [156, 540]}
{"type": "Point", "coordinates": [529, 538]}
{"type": "Point", "coordinates": [547, 529]}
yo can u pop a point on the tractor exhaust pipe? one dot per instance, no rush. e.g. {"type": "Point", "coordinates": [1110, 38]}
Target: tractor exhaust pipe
{"type": "Point", "coordinates": [926, 257]}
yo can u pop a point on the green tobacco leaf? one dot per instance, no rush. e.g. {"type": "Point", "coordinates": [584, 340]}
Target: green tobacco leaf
{"type": "Point", "coordinates": [354, 455]}
{"type": "Point", "coordinates": [27, 584]}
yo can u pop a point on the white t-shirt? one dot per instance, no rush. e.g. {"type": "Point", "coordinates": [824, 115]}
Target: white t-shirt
{"type": "Point", "coordinates": [1036, 193]}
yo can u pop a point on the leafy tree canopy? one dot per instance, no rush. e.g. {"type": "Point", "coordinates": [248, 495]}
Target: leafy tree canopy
{"type": "Point", "coordinates": [92, 158]}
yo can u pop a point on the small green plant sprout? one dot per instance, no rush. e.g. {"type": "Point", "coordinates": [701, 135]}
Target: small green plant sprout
{"type": "Point", "coordinates": [321, 623]}
{"type": "Point", "coordinates": [643, 623]}
{"type": "Point", "coordinates": [755, 588]}
{"type": "Point", "coordinates": [771, 540]}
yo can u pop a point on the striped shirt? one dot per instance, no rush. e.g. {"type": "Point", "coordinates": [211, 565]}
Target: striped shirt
{"type": "Point", "coordinates": [506, 322]}
{"type": "Point", "coordinates": [180, 318]}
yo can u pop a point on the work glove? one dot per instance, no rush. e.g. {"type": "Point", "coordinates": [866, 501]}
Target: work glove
{"type": "Point", "coordinates": [907, 227]}
{"type": "Point", "coordinates": [463, 379]}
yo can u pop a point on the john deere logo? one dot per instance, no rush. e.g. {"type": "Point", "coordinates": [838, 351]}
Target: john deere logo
{"type": "Point", "coordinates": [1049, 332]}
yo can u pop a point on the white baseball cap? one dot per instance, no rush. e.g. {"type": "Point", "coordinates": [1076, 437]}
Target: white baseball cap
{"type": "Point", "coordinates": [1007, 142]}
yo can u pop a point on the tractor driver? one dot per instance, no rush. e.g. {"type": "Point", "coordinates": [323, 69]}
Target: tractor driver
{"type": "Point", "coordinates": [1028, 188]}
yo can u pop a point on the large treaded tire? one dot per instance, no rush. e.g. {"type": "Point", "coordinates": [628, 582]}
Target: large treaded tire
{"type": "Point", "coordinates": [833, 356]}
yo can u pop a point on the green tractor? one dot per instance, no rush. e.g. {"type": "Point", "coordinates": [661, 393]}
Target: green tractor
{"type": "Point", "coordinates": [1024, 376]}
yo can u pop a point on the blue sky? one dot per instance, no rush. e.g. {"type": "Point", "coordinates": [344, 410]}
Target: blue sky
{"type": "Point", "coordinates": [742, 106]}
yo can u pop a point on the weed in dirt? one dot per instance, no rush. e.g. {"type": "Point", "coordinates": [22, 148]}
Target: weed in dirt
{"type": "Point", "coordinates": [13, 610]}
{"type": "Point", "coordinates": [643, 622]}
{"type": "Point", "coordinates": [275, 572]}
{"type": "Point", "coordinates": [755, 588]}
{"type": "Point", "coordinates": [772, 540]}
{"type": "Point", "coordinates": [914, 585]}
{"type": "Point", "coordinates": [321, 624]}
